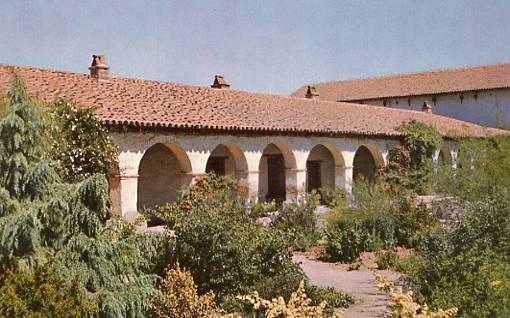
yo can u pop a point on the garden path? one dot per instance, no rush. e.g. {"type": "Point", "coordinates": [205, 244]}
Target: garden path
{"type": "Point", "coordinates": [361, 284]}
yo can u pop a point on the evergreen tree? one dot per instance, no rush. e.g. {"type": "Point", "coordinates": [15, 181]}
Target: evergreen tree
{"type": "Point", "coordinates": [46, 220]}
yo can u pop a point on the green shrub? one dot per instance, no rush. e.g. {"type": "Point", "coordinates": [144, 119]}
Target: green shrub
{"type": "Point", "coordinates": [334, 198]}
{"type": "Point", "coordinates": [299, 220]}
{"type": "Point", "coordinates": [224, 251]}
{"type": "Point", "coordinates": [412, 221]}
{"type": "Point", "coordinates": [386, 259]}
{"type": "Point", "coordinates": [80, 144]}
{"type": "Point", "coordinates": [346, 239]}
{"type": "Point", "coordinates": [263, 209]}
{"type": "Point", "coordinates": [475, 281]}
{"type": "Point", "coordinates": [42, 294]}
{"type": "Point", "coordinates": [410, 166]}
{"type": "Point", "coordinates": [368, 225]}
{"type": "Point", "coordinates": [334, 299]}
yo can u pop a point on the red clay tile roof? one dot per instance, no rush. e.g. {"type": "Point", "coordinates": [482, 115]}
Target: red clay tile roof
{"type": "Point", "coordinates": [414, 84]}
{"type": "Point", "coordinates": [143, 103]}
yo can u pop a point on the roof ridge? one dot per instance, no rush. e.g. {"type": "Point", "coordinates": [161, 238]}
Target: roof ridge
{"type": "Point", "coordinates": [123, 78]}
{"type": "Point", "coordinates": [432, 71]}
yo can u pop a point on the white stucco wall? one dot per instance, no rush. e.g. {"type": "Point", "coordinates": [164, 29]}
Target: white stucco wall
{"type": "Point", "coordinates": [490, 108]}
{"type": "Point", "coordinates": [194, 150]}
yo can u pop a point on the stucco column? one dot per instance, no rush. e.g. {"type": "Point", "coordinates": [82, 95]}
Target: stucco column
{"type": "Point", "coordinates": [295, 180]}
{"type": "Point", "coordinates": [198, 160]}
{"type": "Point", "coordinates": [348, 178]}
{"type": "Point", "coordinates": [252, 175]}
{"type": "Point", "coordinates": [129, 196]}
{"type": "Point", "coordinates": [128, 184]}
{"type": "Point", "coordinates": [340, 180]}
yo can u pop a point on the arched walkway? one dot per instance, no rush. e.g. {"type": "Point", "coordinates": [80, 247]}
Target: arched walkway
{"type": "Point", "coordinates": [276, 173]}
{"type": "Point", "coordinates": [163, 171]}
{"type": "Point", "coordinates": [366, 162]}
{"type": "Point", "coordinates": [322, 167]}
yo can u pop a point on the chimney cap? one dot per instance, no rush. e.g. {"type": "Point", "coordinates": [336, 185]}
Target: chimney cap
{"type": "Point", "coordinates": [99, 68]}
{"type": "Point", "coordinates": [311, 92]}
{"type": "Point", "coordinates": [219, 82]}
{"type": "Point", "coordinates": [426, 108]}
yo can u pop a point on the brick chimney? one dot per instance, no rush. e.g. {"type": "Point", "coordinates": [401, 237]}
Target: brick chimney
{"type": "Point", "coordinates": [426, 108]}
{"type": "Point", "coordinates": [311, 92]}
{"type": "Point", "coordinates": [219, 82]}
{"type": "Point", "coordinates": [99, 69]}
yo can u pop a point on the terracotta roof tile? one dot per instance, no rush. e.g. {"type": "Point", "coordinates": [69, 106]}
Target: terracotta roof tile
{"type": "Point", "coordinates": [414, 84]}
{"type": "Point", "coordinates": [140, 103]}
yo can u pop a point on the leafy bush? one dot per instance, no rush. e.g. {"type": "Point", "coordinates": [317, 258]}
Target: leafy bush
{"type": "Point", "coordinates": [377, 220]}
{"type": "Point", "coordinates": [334, 299]}
{"type": "Point", "coordinates": [263, 209]}
{"type": "Point", "coordinates": [334, 198]}
{"type": "Point", "coordinates": [386, 259]}
{"type": "Point", "coordinates": [475, 281]}
{"type": "Point", "coordinates": [223, 250]}
{"type": "Point", "coordinates": [401, 304]}
{"type": "Point", "coordinates": [299, 305]}
{"type": "Point", "coordinates": [80, 144]}
{"type": "Point", "coordinates": [299, 220]}
{"type": "Point", "coordinates": [42, 294]}
{"type": "Point", "coordinates": [467, 264]}
{"type": "Point", "coordinates": [411, 166]}
{"type": "Point", "coordinates": [366, 226]}
{"type": "Point", "coordinates": [180, 298]}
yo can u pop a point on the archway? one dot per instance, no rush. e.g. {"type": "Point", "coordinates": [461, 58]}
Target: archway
{"type": "Point", "coordinates": [366, 162]}
{"type": "Point", "coordinates": [163, 171]}
{"type": "Point", "coordinates": [320, 169]}
{"type": "Point", "coordinates": [276, 172]}
{"type": "Point", "coordinates": [227, 160]}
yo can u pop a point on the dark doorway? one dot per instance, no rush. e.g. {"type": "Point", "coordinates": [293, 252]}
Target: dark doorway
{"type": "Point", "coordinates": [275, 178]}
{"type": "Point", "coordinates": [216, 165]}
{"type": "Point", "coordinates": [313, 175]}
{"type": "Point", "coordinates": [365, 165]}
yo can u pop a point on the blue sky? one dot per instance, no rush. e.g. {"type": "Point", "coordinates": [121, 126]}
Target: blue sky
{"type": "Point", "coordinates": [261, 45]}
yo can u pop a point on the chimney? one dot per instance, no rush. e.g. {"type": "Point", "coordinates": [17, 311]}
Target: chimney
{"type": "Point", "coordinates": [311, 92]}
{"type": "Point", "coordinates": [219, 82]}
{"type": "Point", "coordinates": [99, 69]}
{"type": "Point", "coordinates": [426, 108]}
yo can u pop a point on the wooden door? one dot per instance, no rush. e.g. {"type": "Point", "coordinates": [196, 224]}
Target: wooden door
{"type": "Point", "coordinates": [275, 178]}
{"type": "Point", "coordinates": [313, 175]}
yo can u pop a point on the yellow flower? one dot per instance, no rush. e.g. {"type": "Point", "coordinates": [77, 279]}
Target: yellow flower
{"type": "Point", "coordinates": [496, 283]}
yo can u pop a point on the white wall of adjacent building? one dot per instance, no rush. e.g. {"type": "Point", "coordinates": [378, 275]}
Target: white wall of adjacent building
{"type": "Point", "coordinates": [489, 108]}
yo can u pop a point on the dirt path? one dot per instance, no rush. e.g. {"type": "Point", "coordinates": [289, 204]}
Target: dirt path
{"type": "Point", "coordinates": [370, 302]}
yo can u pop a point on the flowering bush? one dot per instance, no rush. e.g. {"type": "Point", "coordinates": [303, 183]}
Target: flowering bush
{"type": "Point", "coordinates": [402, 305]}
{"type": "Point", "coordinates": [180, 298]}
{"type": "Point", "coordinates": [298, 306]}
{"type": "Point", "coordinates": [81, 145]}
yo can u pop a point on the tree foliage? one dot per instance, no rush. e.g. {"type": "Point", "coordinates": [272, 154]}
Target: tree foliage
{"type": "Point", "coordinates": [47, 219]}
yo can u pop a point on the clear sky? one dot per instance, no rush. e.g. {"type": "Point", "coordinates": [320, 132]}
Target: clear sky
{"type": "Point", "coordinates": [271, 46]}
